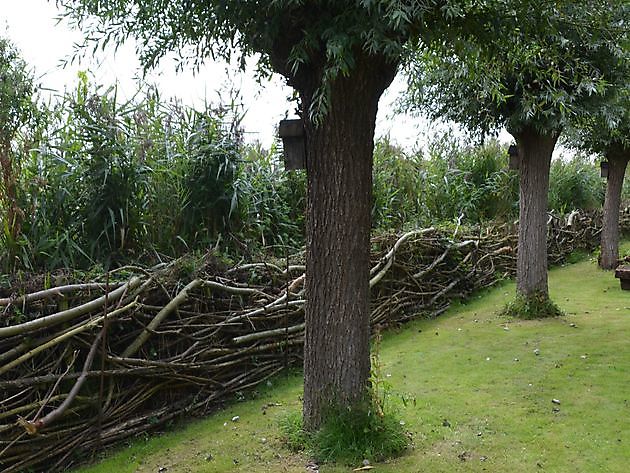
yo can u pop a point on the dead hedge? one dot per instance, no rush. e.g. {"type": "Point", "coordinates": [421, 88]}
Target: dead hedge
{"type": "Point", "coordinates": [84, 365]}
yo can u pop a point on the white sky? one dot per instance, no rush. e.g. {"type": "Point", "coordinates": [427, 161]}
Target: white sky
{"type": "Point", "coordinates": [44, 43]}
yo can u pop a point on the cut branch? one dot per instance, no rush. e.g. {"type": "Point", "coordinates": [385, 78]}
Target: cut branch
{"type": "Point", "coordinates": [68, 314]}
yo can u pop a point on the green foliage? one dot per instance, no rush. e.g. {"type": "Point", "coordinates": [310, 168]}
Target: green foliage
{"type": "Point", "coordinates": [17, 91]}
{"type": "Point", "coordinates": [108, 181]}
{"type": "Point", "coordinates": [19, 123]}
{"type": "Point", "coordinates": [539, 54]}
{"type": "Point", "coordinates": [293, 38]}
{"type": "Point", "coordinates": [210, 173]}
{"type": "Point", "coordinates": [472, 182]}
{"type": "Point", "coordinates": [448, 182]}
{"type": "Point", "coordinates": [273, 201]}
{"type": "Point", "coordinates": [397, 197]}
{"type": "Point", "coordinates": [575, 184]}
{"type": "Point", "coordinates": [98, 139]}
{"type": "Point", "coordinates": [535, 306]}
{"type": "Point", "coordinates": [350, 435]}
{"type": "Point", "coordinates": [521, 69]}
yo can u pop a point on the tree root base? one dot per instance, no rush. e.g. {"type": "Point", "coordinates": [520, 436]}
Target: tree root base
{"type": "Point", "coordinates": [534, 306]}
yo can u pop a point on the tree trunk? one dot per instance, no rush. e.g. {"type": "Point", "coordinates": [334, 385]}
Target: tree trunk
{"type": "Point", "coordinates": [535, 150]}
{"type": "Point", "coordinates": [617, 162]}
{"type": "Point", "coordinates": [339, 168]}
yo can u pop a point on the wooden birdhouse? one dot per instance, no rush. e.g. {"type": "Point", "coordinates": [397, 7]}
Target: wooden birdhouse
{"type": "Point", "coordinates": [513, 163]}
{"type": "Point", "coordinates": [603, 167]}
{"type": "Point", "coordinates": [293, 143]}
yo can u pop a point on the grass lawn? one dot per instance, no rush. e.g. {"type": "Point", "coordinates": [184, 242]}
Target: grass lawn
{"type": "Point", "coordinates": [479, 390]}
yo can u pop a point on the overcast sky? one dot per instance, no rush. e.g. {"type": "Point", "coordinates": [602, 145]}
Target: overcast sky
{"type": "Point", "coordinates": [44, 44]}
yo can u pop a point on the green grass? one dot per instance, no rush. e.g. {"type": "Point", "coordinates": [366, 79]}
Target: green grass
{"type": "Point", "coordinates": [535, 306]}
{"type": "Point", "coordinates": [478, 390]}
{"type": "Point", "coordinates": [349, 435]}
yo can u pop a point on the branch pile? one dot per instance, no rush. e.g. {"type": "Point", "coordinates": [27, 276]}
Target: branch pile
{"type": "Point", "coordinates": [85, 365]}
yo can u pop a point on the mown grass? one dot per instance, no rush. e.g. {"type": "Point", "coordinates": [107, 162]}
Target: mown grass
{"type": "Point", "coordinates": [478, 390]}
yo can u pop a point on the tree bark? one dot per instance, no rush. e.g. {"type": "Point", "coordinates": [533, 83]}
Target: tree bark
{"type": "Point", "coordinates": [617, 162]}
{"type": "Point", "coordinates": [535, 150]}
{"type": "Point", "coordinates": [339, 169]}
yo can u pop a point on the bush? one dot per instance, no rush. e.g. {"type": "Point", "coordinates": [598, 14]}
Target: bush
{"type": "Point", "coordinates": [107, 182]}
{"type": "Point", "coordinates": [19, 115]}
{"type": "Point", "coordinates": [450, 181]}
{"type": "Point", "coordinates": [397, 197]}
{"type": "Point", "coordinates": [472, 182]}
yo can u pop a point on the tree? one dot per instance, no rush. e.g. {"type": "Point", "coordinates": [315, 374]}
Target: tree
{"type": "Point", "coordinates": [340, 56]}
{"type": "Point", "coordinates": [531, 71]}
{"type": "Point", "coordinates": [17, 111]}
{"type": "Point", "coordinates": [607, 132]}
{"type": "Point", "coordinates": [618, 155]}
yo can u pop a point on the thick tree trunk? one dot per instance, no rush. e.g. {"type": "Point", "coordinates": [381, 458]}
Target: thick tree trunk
{"type": "Point", "coordinates": [339, 168]}
{"type": "Point", "coordinates": [617, 163]}
{"type": "Point", "coordinates": [535, 150]}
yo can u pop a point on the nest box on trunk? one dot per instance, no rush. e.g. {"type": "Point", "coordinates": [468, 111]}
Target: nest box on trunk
{"type": "Point", "coordinates": [603, 167]}
{"type": "Point", "coordinates": [293, 143]}
{"type": "Point", "coordinates": [513, 164]}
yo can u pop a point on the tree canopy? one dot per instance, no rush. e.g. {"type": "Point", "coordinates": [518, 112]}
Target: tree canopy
{"type": "Point", "coordinates": [608, 127]}
{"type": "Point", "coordinates": [541, 64]}
{"type": "Point", "coordinates": [298, 39]}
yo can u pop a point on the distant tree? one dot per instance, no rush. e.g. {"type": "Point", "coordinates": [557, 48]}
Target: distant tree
{"type": "Point", "coordinates": [606, 132]}
{"type": "Point", "coordinates": [531, 70]}
{"type": "Point", "coordinates": [17, 111]}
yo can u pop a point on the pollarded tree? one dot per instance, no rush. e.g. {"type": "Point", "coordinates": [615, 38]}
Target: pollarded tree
{"type": "Point", "coordinates": [339, 56]}
{"type": "Point", "coordinates": [607, 132]}
{"type": "Point", "coordinates": [531, 71]}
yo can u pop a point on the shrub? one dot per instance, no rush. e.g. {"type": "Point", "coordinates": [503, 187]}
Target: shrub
{"type": "Point", "coordinates": [448, 182]}
{"type": "Point", "coordinates": [18, 116]}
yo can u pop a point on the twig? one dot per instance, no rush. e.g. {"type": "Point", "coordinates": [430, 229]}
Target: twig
{"type": "Point", "coordinates": [157, 320]}
{"type": "Point", "coordinates": [33, 427]}
{"type": "Point", "coordinates": [61, 338]}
